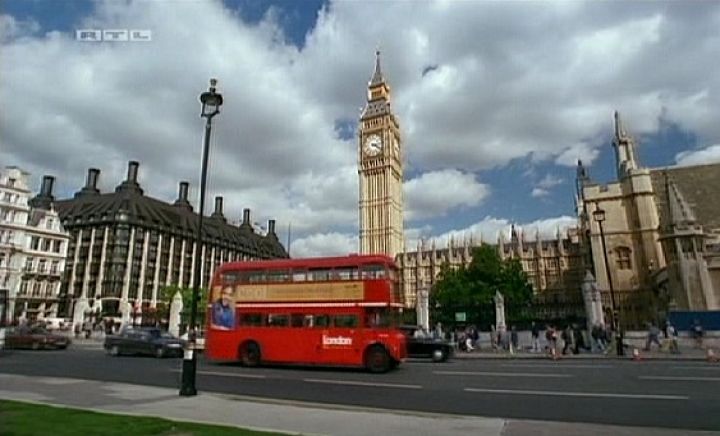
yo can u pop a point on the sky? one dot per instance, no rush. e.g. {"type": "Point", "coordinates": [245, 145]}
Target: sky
{"type": "Point", "coordinates": [496, 100]}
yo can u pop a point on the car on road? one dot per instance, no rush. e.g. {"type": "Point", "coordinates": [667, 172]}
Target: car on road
{"type": "Point", "coordinates": [34, 338]}
{"type": "Point", "coordinates": [150, 340]}
{"type": "Point", "coordinates": [420, 345]}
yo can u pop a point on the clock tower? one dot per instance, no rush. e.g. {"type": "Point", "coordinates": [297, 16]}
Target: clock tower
{"type": "Point", "coordinates": [380, 171]}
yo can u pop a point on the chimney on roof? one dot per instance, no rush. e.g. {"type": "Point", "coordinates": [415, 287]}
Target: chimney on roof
{"type": "Point", "coordinates": [182, 200]}
{"type": "Point", "coordinates": [271, 227]}
{"type": "Point", "coordinates": [131, 184]}
{"type": "Point", "coordinates": [218, 213]}
{"type": "Point", "coordinates": [246, 220]}
{"type": "Point", "coordinates": [132, 171]}
{"type": "Point", "coordinates": [44, 198]}
{"type": "Point", "coordinates": [47, 186]}
{"type": "Point", "coordinates": [90, 187]}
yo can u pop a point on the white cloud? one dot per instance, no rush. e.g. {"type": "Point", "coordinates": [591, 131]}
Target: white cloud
{"type": "Point", "coordinates": [464, 106]}
{"type": "Point", "coordinates": [581, 151]}
{"type": "Point", "coordinates": [324, 244]}
{"type": "Point", "coordinates": [704, 156]}
{"type": "Point", "coordinates": [539, 192]}
{"type": "Point", "coordinates": [10, 28]}
{"type": "Point", "coordinates": [544, 185]}
{"type": "Point", "coordinates": [436, 193]}
{"type": "Point", "coordinates": [549, 181]}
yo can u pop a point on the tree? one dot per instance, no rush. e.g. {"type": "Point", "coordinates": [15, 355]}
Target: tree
{"type": "Point", "coordinates": [168, 292]}
{"type": "Point", "coordinates": [470, 289]}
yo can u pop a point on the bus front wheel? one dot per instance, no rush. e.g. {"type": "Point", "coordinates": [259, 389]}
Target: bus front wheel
{"type": "Point", "coordinates": [377, 359]}
{"type": "Point", "coordinates": [250, 354]}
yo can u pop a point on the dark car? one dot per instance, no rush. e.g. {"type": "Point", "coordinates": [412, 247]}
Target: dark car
{"type": "Point", "coordinates": [152, 341]}
{"type": "Point", "coordinates": [34, 338]}
{"type": "Point", "coordinates": [420, 345]}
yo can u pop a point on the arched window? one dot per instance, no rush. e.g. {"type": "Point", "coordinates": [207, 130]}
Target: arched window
{"type": "Point", "coordinates": [623, 258]}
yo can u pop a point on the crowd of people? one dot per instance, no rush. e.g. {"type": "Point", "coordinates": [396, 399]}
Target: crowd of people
{"type": "Point", "coordinates": [572, 339]}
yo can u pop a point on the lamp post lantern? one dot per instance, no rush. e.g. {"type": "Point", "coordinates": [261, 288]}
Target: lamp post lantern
{"type": "Point", "coordinates": [211, 102]}
{"type": "Point", "coordinates": [599, 217]}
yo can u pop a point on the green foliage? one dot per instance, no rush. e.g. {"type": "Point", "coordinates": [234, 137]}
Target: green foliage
{"type": "Point", "coordinates": [168, 292]}
{"type": "Point", "coordinates": [471, 288]}
{"type": "Point", "coordinates": [32, 419]}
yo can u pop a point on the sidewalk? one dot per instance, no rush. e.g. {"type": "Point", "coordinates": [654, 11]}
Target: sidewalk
{"type": "Point", "coordinates": [684, 355]}
{"type": "Point", "coordinates": [287, 417]}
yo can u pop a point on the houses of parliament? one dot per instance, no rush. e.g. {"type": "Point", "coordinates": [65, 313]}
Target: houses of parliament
{"type": "Point", "coordinates": [662, 239]}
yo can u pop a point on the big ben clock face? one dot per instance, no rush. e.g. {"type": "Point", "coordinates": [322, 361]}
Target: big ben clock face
{"type": "Point", "coordinates": [373, 145]}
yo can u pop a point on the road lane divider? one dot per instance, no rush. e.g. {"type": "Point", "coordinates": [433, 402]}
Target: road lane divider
{"type": "Point", "coordinates": [680, 378]}
{"type": "Point", "coordinates": [360, 383]}
{"type": "Point", "coordinates": [226, 374]}
{"type": "Point", "coordinates": [696, 368]}
{"type": "Point", "coordinates": [554, 365]}
{"type": "Point", "coordinates": [577, 394]}
{"type": "Point", "coordinates": [504, 374]}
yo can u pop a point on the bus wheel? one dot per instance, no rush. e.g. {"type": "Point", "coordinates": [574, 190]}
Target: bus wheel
{"type": "Point", "coordinates": [250, 354]}
{"type": "Point", "coordinates": [377, 359]}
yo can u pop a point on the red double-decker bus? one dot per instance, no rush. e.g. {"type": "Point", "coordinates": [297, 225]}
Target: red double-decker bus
{"type": "Point", "coordinates": [324, 311]}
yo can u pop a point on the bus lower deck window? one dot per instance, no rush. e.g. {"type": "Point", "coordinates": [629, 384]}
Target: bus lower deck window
{"type": "Point", "coordinates": [274, 320]}
{"type": "Point", "coordinates": [346, 321]}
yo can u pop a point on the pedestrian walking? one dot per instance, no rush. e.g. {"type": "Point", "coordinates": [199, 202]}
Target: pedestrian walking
{"type": "Point", "coordinates": [673, 338]}
{"type": "Point", "coordinates": [653, 336]}
{"type": "Point", "coordinates": [568, 337]}
{"type": "Point", "coordinates": [514, 340]}
{"type": "Point", "coordinates": [535, 332]}
{"type": "Point", "coordinates": [697, 332]}
{"type": "Point", "coordinates": [579, 340]}
{"type": "Point", "coordinates": [551, 338]}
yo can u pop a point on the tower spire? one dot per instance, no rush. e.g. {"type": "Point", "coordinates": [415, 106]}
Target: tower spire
{"type": "Point", "coordinates": [620, 132]}
{"type": "Point", "coordinates": [377, 77]}
{"type": "Point", "coordinates": [624, 148]}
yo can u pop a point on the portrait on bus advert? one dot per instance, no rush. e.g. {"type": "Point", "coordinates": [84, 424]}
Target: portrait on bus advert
{"type": "Point", "coordinates": [223, 310]}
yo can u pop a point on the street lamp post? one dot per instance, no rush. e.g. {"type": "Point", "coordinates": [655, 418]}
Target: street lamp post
{"type": "Point", "coordinates": [211, 102]}
{"type": "Point", "coordinates": [599, 216]}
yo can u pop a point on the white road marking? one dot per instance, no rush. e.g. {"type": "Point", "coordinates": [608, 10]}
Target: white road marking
{"type": "Point", "coordinates": [225, 374]}
{"type": "Point", "coordinates": [667, 378]}
{"type": "Point", "coordinates": [578, 394]}
{"type": "Point", "coordinates": [701, 368]}
{"type": "Point", "coordinates": [553, 365]}
{"type": "Point", "coordinates": [504, 374]}
{"type": "Point", "coordinates": [359, 383]}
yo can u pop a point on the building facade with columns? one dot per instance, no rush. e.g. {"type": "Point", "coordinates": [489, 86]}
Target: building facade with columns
{"type": "Point", "coordinates": [662, 233]}
{"type": "Point", "coordinates": [33, 249]}
{"type": "Point", "coordinates": [126, 246]}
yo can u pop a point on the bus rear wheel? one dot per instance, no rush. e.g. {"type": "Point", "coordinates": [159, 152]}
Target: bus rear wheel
{"type": "Point", "coordinates": [377, 359]}
{"type": "Point", "coordinates": [250, 354]}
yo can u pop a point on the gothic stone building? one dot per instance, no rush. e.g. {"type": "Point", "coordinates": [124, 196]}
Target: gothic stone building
{"type": "Point", "coordinates": [554, 267]}
{"type": "Point", "coordinates": [125, 246]}
{"type": "Point", "coordinates": [662, 232]}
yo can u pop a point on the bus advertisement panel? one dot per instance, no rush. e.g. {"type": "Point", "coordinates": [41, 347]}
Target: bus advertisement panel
{"type": "Point", "coordinates": [322, 311]}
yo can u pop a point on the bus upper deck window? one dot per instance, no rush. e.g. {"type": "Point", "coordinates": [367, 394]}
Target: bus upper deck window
{"type": "Point", "coordinates": [373, 271]}
{"type": "Point", "coordinates": [299, 275]}
{"type": "Point", "coordinates": [349, 273]}
{"type": "Point", "coordinates": [320, 274]}
{"type": "Point", "coordinates": [256, 277]}
{"type": "Point", "coordinates": [278, 276]}
{"type": "Point", "coordinates": [229, 278]}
